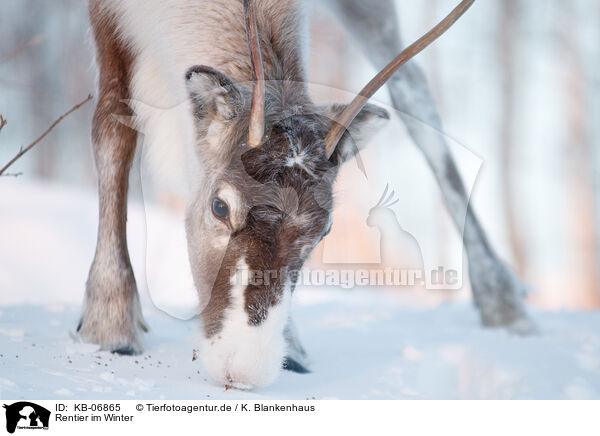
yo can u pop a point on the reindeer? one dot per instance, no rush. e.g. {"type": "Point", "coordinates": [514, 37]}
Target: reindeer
{"type": "Point", "coordinates": [259, 159]}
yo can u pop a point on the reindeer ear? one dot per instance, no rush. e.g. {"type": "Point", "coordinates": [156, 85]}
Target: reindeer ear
{"type": "Point", "coordinates": [370, 120]}
{"type": "Point", "coordinates": [213, 93]}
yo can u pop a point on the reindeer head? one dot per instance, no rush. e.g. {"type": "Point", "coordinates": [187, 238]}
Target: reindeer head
{"type": "Point", "coordinates": [261, 207]}
{"type": "Point", "coordinates": [258, 213]}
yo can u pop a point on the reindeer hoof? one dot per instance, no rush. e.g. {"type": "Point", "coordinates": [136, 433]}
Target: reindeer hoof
{"type": "Point", "coordinates": [124, 351]}
{"type": "Point", "coordinates": [292, 365]}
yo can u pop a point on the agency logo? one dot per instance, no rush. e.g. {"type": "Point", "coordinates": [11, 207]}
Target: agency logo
{"type": "Point", "coordinates": [26, 415]}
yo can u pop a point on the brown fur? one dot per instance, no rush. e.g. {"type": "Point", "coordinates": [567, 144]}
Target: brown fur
{"type": "Point", "coordinates": [285, 209]}
{"type": "Point", "coordinates": [111, 310]}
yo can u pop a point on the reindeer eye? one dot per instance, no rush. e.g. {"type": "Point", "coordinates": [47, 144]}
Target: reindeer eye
{"type": "Point", "coordinates": [219, 208]}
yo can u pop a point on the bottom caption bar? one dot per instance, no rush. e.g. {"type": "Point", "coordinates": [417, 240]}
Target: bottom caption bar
{"type": "Point", "coordinates": [298, 417]}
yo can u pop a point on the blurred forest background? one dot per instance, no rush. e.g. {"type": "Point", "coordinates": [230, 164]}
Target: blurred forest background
{"type": "Point", "coordinates": [518, 85]}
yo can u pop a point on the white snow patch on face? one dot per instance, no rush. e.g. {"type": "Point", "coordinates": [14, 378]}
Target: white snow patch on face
{"type": "Point", "coordinates": [243, 355]}
{"type": "Point", "coordinates": [297, 159]}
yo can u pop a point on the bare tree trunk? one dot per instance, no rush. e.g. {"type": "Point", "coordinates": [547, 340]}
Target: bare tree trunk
{"type": "Point", "coordinates": [37, 64]}
{"type": "Point", "coordinates": [587, 133]}
{"type": "Point", "coordinates": [443, 227]}
{"type": "Point", "coordinates": [593, 110]}
{"type": "Point", "coordinates": [508, 39]}
{"type": "Point", "coordinates": [579, 151]}
{"type": "Point", "coordinates": [581, 231]}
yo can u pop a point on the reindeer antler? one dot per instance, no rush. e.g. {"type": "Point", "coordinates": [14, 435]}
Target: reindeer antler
{"type": "Point", "coordinates": [345, 119]}
{"type": "Point", "coordinates": [257, 113]}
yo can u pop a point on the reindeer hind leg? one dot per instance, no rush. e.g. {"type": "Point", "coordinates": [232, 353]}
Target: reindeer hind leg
{"type": "Point", "coordinates": [497, 291]}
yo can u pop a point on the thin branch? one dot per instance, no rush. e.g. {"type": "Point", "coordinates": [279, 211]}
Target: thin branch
{"type": "Point", "coordinates": [2, 121]}
{"type": "Point", "coordinates": [24, 150]}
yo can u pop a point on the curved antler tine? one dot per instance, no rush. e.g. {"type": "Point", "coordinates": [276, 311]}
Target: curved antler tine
{"type": "Point", "coordinates": [340, 125]}
{"type": "Point", "coordinates": [382, 196]}
{"type": "Point", "coordinates": [257, 113]}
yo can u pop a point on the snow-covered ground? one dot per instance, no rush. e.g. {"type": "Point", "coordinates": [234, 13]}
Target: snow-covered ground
{"type": "Point", "coordinates": [363, 344]}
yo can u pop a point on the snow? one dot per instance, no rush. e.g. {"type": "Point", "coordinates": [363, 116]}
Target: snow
{"type": "Point", "coordinates": [363, 344]}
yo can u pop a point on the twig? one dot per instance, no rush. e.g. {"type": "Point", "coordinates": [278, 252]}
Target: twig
{"type": "Point", "coordinates": [2, 121]}
{"type": "Point", "coordinates": [22, 150]}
